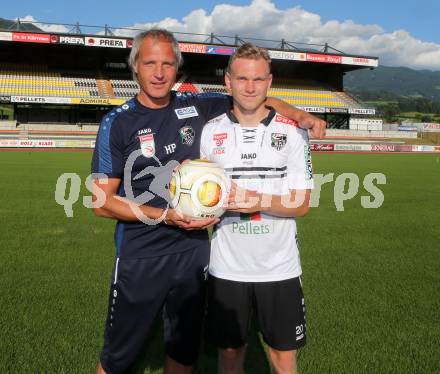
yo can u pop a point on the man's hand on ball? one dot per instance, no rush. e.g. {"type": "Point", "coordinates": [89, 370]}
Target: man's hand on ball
{"type": "Point", "coordinates": [175, 218]}
{"type": "Point", "coordinates": [241, 200]}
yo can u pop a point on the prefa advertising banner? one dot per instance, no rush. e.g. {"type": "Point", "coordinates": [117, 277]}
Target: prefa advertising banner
{"type": "Point", "coordinates": [67, 39]}
{"type": "Point", "coordinates": [92, 41]}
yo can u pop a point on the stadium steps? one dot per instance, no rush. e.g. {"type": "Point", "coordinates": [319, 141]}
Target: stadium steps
{"type": "Point", "coordinates": [101, 88]}
{"type": "Point", "coordinates": [349, 100]}
{"type": "Point", "coordinates": [104, 86]}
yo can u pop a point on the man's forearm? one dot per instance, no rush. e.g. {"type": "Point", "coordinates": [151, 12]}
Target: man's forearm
{"type": "Point", "coordinates": [125, 210]}
{"type": "Point", "coordinates": [294, 204]}
{"type": "Point", "coordinates": [305, 120]}
{"type": "Point", "coordinates": [285, 109]}
{"type": "Point", "coordinates": [283, 206]}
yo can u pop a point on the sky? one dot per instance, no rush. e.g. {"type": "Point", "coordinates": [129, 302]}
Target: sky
{"type": "Point", "coordinates": [400, 33]}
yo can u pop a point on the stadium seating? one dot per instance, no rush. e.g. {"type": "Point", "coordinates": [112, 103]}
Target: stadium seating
{"type": "Point", "coordinates": [124, 88]}
{"type": "Point", "coordinates": [39, 80]}
{"type": "Point", "coordinates": [295, 92]}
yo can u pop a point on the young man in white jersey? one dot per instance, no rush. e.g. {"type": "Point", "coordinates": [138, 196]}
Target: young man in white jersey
{"type": "Point", "coordinates": [254, 266]}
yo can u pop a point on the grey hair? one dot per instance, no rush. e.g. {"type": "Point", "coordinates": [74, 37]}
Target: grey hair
{"type": "Point", "coordinates": [156, 34]}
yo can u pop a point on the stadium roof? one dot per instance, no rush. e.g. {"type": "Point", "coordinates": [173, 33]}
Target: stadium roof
{"type": "Point", "coordinates": [124, 32]}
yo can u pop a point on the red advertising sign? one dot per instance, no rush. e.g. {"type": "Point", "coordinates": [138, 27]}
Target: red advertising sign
{"type": "Point", "coordinates": [382, 147]}
{"type": "Point", "coordinates": [361, 61]}
{"type": "Point", "coordinates": [30, 38]}
{"type": "Point", "coordinates": [403, 148]}
{"type": "Point", "coordinates": [192, 48]}
{"type": "Point", "coordinates": [327, 59]}
{"type": "Point", "coordinates": [31, 143]}
{"type": "Point", "coordinates": [322, 147]}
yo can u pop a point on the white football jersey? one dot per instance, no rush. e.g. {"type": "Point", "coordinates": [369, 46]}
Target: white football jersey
{"type": "Point", "coordinates": [273, 158]}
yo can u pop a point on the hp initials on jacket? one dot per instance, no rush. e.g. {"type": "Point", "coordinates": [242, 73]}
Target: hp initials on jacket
{"type": "Point", "coordinates": [170, 148]}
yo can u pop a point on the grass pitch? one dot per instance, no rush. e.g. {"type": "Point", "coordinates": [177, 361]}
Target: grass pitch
{"type": "Point", "coordinates": [371, 276]}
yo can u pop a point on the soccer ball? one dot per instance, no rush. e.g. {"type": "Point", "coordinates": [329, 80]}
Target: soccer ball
{"type": "Point", "coordinates": [198, 189]}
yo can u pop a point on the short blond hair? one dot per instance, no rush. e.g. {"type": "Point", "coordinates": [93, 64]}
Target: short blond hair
{"type": "Point", "coordinates": [249, 51]}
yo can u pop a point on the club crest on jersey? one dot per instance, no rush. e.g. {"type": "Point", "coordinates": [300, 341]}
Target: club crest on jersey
{"type": "Point", "coordinates": [278, 140]}
{"type": "Point", "coordinates": [187, 112]}
{"type": "Point", "coordinates": [187, 135]}
{"type": "Point", "coordinates": [147, 145]}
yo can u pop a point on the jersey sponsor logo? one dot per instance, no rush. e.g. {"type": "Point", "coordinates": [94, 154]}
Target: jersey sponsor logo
{"type": "Point", "coordinates": [184, 95]}
{"type": "Point", "coordinates": [250, 216]}
{"type": "Point", "coordinates": [286, 121]}
{"type": "Point", "coordinates": [144, 131]}
{"type": "Point", "coordinates": [278, 140]}
{"type": "Point", "coordinates": [218, 151]}
{"type": "Point", "coordinates": [218, 138]}
{"type": "Point", "coordinates": [147, 145]}
{"type": "Point", "coordinates": [187, 135]}
{"type": "Point", "coordinates": [308, 161]}
{"type": "Point", "coordinates": [251, 224]}
{"type": "Point", "coordinates": [187, 112]}
{"type": "Point", "coordinates": [248, 156]}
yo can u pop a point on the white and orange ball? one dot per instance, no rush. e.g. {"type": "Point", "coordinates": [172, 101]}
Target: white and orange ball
{"type": "Point", "coordinates": [199, 188]}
